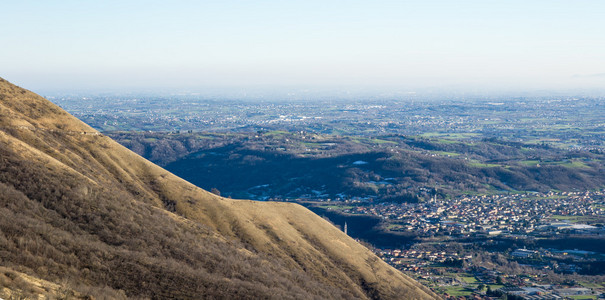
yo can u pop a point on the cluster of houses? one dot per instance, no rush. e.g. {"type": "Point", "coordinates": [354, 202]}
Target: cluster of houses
{"type": "Point", "coordinates": [516, 215]}
{"type": "Point", "coordinates": [403, 256]}
{"type": "Point", "coordinates": [530, 213]}
{"type": "Point", "coordinates": [423, 265]}
{"type": "Point", "coordinates": [546, 292]}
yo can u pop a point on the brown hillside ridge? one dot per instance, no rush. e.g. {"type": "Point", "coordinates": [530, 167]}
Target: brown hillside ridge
{"type": "Point", "coordinates": [81, 213]}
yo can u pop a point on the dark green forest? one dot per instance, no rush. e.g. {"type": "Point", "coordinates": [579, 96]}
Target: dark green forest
{"type": "Point", "coordinates": [390, 168]}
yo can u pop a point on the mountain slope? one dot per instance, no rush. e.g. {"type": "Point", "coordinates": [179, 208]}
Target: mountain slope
{"type": "Point", "coordinates": [80, 210]}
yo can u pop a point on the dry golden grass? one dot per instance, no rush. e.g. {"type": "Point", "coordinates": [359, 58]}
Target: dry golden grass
{"type": "Point", "coordinates": [17, 285]}
{"type": "Point", "coordinates": [281, 235]}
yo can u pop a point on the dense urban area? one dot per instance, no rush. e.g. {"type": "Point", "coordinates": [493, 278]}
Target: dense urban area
{"type": "Point", "coordinates": [512, 238]}
{"type": "Point", "coordinates": [474, 197]}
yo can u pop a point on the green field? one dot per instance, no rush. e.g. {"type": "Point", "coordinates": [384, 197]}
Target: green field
{"type": "Point", "coordinates": [572, 164]}
{"type": "Point", "coordinates": [457, 291]}
{"type": "Point", "coordinates": [565, 163]}
{"type": "Point", "coordinates": [579, 219]}
{"type": "Point", "coordinates": [469, 279]}
{"type": "Point", "coordinates": [380, 141]}
{"type": "Point", "coordinates": [277, 132]}
{"type": "Point", "coordinates": [582, 297]}
{"type": "Point", "coordinates": [478, 164]}
{"type": "Point", "coordinates": [592, 285]}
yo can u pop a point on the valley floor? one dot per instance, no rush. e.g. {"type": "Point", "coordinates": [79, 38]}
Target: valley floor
{"type": "Point", "coordinates": [484, 246]}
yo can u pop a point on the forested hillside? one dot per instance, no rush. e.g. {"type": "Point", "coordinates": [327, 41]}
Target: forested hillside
{"type": "Point", "coordinates": [386, 168]}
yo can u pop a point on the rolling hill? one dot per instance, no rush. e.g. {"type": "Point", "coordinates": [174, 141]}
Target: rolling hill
{"type": "Point", "coordinates": [391, 168]}
{"type": "Point", "coordinates": [84, 216]}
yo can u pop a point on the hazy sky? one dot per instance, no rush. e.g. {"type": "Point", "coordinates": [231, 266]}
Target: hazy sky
{"type": "Point", "coordinates": [504, 44]}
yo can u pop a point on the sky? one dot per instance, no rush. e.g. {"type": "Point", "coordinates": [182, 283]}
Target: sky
{"type": "Point", "coordinates": [378, 45]}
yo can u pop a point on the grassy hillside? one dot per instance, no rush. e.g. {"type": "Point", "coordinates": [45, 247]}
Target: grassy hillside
{"type": "Point", "coordinates": [82, 211]}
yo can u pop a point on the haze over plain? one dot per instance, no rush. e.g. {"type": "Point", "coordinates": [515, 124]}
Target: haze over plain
{"type": "Point", "coordinates": [378, 45]}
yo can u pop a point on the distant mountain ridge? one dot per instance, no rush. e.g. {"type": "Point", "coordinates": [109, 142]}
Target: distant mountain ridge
{"type": "Point", "coordinates": [83, 212]}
